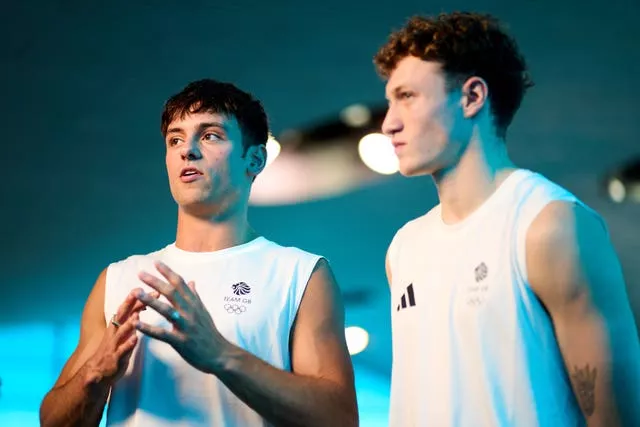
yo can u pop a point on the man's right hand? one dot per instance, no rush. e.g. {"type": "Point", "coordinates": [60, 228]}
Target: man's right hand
{"type": "Point", "coordinates": [101, 357]}
{"type": "Point", "coordinates": [111, 358]}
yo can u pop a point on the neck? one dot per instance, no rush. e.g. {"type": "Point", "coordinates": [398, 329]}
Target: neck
{"type": "Point", "coordinates": [207, 234]}
{"type": "Point", "coordinates": [480, 170]}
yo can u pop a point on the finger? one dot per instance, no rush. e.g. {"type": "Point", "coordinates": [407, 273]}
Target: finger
{"type": "Point", "coordinates": [162, 287]}
{"type": "Point", "coordinates": [126, 329]}
{"type": "Point", "coordinates": [158, 333]}
{"type": "Point", "coordinates": [127, 346]}
{"type": "Point", "coordinates": [125, 307]}
{"type": "Point", "coordinates": [192, 286]}
{"type": "Point", "coordinates": [166, 310]}
{"type": "Point", "coordinates": [173, 278]}
{"type": "Point", "coordinates": [139, 306]}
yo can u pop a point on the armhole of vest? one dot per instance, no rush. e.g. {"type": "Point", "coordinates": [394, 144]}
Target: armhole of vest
{"type": "Point", "coordinates": [303, 275]}
{"type": "Point", "coordinates": [296, 293]}
{"type": "Point", "coordinates": [302, 280]}
{"type": "Point", "coordinates": [113, 273]}
{"type": "Point", "coordinates": [524, 223]}
{"type": "Point", "coordinates": [392, 255]}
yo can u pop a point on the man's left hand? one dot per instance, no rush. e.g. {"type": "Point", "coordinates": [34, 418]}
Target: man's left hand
{"type": "Point", "coordinates": [194, 335]}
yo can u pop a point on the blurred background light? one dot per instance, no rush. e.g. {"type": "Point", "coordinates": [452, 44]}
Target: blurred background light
{"type": "Point", "coordinates": [376, 151]}
{"type": "Point", "coordinates": [357, 339]}
{"type": "Point", "coordinates": [357, 115]}
{"type": "Point", "coordinates": [623, 185]}
{"type": "Point", "coordinates": [617, 191]}
{"type": "Point", "coordinates": [273, 149]}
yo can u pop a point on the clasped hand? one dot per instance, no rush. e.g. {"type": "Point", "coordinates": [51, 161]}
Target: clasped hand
{"type": "Point", "coordinates": [194, 335]}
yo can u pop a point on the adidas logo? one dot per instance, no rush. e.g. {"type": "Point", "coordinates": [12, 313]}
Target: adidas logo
{"type": "Point", "coordinates": [409, 294]}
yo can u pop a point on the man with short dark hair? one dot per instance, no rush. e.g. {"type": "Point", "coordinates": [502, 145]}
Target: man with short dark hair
{"type": "Point", "coordinates": [240, 331]}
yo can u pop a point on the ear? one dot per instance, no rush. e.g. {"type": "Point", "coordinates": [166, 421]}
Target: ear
{"type": "Point", "coordinates": [475, 94]}
{"type": "Point", "coordinates": [256, 159]}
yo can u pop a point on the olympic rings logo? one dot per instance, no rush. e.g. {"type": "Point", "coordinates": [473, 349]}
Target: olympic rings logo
{"type": "Point", "coordinates": [234, 308]}
{"type": "Point", "coordinates": [475, 301]}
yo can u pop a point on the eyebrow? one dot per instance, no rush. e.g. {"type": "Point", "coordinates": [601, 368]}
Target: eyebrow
{"type": "Point", "coordinates": [399, 89]}
{"type": "Point", "coordinates": [396, 91]}
{"type": "Point", "coordinates": [201, 127]}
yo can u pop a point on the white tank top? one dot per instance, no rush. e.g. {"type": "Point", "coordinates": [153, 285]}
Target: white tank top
{"type": "Point", "coordinates": [472, 344]}
{"type": "Point", "coordinates": [252, 291]}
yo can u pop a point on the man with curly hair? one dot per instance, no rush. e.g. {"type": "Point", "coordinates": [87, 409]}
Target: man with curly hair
{"type": "Point", "coordinates": [509, 306]}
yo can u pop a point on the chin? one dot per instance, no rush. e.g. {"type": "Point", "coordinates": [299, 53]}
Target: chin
{"type": "Point", "coordinates": [410, 173]}
{"type": "Point", "coordinates": [411, 170]}
{"type": "Point", "coordinates": [186, 200]}
{"type": "Point", "coordinates": [191, 200]}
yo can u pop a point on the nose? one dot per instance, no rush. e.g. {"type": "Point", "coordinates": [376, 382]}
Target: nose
{"type": "Point", "coordinates": [392, 123]}
{"type": "Point", "coordinates": [191, 151]}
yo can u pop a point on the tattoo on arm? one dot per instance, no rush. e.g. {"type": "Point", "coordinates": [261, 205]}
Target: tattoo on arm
{"type": "Point", "coordinates": [584, 381]}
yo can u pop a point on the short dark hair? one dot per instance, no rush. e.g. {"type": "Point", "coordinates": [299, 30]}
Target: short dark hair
{"type": "Point", "coordinates": [465, 44]}
{"type": "Point", "coordinates": [210, 95]}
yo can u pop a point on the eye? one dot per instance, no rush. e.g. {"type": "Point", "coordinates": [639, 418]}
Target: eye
{"type": "Point", "coordinates": [173, 141]}
{"type": "Point", "coordinates": [213, 137]}
{"type": "Point", "coordinates": [405, 95]}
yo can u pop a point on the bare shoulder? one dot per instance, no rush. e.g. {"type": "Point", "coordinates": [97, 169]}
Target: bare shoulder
{"type": "Point", "coordinates": [318, 346]}
{"type": "Point", "coordinates": [322, 291]}
{"type": "Point", "coordinates": [93, 312]}
{"type": "Point", "coordinates": [321, 270]}
{"type": "Point", "coordinates": [568, 251]}
{"type": "Point", "coordinates": [564, 222]}
{"type": "Point", "coordinates": [92, 327]}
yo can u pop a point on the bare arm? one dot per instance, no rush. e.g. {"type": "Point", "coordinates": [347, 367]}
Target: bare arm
{"type": "Point", "coordinates": [80, 393]}
{"type": "Point", "coordinates": [320, 391]}
{"type": "Point", "coordinates": [71, 401]}
{"type": "Point", "coordinates": [576, 274]}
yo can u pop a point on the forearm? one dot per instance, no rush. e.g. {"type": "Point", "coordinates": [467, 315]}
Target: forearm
{"type": "Point", "coordinates": [604, 372]}
{"type": "Point", "coordinates": [286, 399]}
{"type": "Point", "coordinates": [594, 394]}
{"type": "Point", "coordinates": [78, 402]}
{"type": "Point", "coordinates": [612, 403]}
{"type": "Point", "coordinates": [617, 394]}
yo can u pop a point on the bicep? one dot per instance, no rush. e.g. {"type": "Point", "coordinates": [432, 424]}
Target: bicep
{"type": "Point", "coordinates": [319, 347]}
{"type": "Point", "coordinates": [576, 274]}
{"type": "Point", "coordinates": [92, 328]}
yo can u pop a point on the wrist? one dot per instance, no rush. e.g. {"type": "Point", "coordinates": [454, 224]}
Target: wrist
{"type": "Point", "coordinates": [93, 382]}
{"type": "Point", "coordinates": [226, 359]}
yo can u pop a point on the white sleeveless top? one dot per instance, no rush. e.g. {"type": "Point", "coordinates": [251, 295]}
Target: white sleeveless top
{"type": "Point", "coordinates": [472, 344]}
{"type": "Point", "coordinates": [252, 291]}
